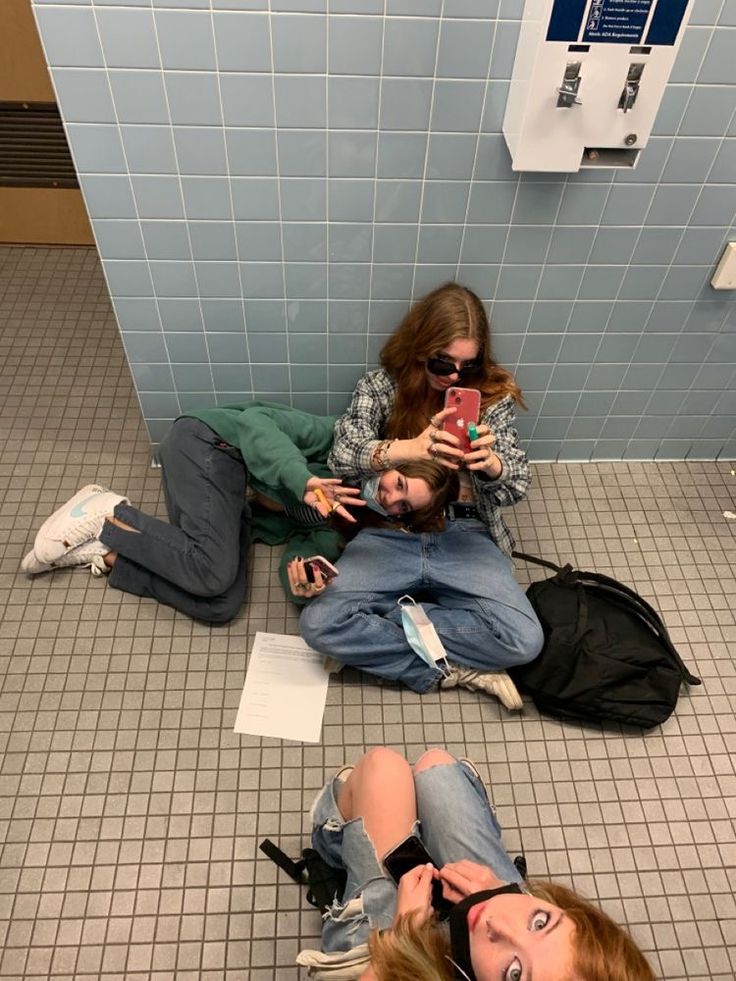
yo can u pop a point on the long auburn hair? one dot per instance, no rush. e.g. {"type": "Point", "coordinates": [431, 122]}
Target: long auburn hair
{"type": "Point", "coordinates": [449, 313]}
{"type": "Point", "coordinates": [602, 950]}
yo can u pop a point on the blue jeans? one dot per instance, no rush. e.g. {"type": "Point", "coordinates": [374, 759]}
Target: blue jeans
{"type": "Point", "coordinates": [465, 584]}
{"type": "Point", "coordinates": [456, 821]}
{"type": "Point", "coordinates": [197, 561]}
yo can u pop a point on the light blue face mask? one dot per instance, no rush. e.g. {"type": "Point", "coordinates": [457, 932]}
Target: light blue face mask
{"type": "Point", "coordinates": [369, 493]}
{"type": "Point", "coordinates": [421, 635]}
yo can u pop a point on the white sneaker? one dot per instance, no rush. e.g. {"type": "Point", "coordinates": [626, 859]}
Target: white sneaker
{"type": "Point", "coordinates": [32, 567]}
{"type": "Point", "coordinates": [87, 554]}
{"type": "Point", "coordinates": [79, 520]}
{"type": "Point", "coordinates": [496, 683]}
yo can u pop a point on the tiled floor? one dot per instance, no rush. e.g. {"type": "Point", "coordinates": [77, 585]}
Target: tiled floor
{"type": "Point", "coordinates": [129, 811]}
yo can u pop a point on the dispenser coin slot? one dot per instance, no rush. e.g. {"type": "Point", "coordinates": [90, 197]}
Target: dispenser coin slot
{"type": "Point", "coordinates": [567, 93]}
{"type": "Point", "coordinates": [631, 88]}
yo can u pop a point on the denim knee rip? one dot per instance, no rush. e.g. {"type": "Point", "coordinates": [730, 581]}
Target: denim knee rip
{"type": "Point", "coordinates": [369, 900]}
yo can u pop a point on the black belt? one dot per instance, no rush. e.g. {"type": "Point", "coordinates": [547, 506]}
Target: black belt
{"type": "Point", "coordinates": [458, 510]}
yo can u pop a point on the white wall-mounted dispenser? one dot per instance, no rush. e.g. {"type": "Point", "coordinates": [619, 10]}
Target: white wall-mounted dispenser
{"type": "Point", "coordinates": [588, 79]}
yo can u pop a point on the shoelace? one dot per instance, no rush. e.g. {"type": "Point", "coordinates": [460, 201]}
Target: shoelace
{"type": "Point", "coordinates": [97, 566]}
{"type": "Point", "coordinates": [90, 527]}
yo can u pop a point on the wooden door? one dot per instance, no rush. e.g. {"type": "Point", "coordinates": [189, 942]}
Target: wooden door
{"type": "Point", "coordinates": [37, 214]}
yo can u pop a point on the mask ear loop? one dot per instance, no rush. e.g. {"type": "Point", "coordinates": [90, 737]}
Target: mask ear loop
{"type": "Point", "coordinates": [441, 663]}
{"type": "Point", "coordinates": [458, 968]}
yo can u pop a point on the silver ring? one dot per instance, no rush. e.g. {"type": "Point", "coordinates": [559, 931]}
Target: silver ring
{"type": "Point", "coordinates": [433, 436]}
{"type": "Point", "coordinates": [433, 450]}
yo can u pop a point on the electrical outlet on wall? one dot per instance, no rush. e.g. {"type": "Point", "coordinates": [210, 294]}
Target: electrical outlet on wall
{"type": "Point", "coordinates": [724, 278]}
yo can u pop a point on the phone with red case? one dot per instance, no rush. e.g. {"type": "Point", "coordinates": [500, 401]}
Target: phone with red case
{"type": "Point", "coordinates": [328, 570]}
{"type": "Point", "coordinates": [466, 402]}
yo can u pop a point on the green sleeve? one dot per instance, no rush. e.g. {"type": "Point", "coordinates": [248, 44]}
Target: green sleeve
{"type": "Point", "coordinates": [318, 541]}
{"type": "Point", "coordinates": [278, 444]}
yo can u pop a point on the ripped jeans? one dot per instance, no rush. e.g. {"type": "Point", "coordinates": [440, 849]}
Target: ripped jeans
{"type": "Point", "coordinates": [369, 901]}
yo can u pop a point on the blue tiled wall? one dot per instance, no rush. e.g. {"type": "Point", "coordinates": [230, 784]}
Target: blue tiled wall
{"type": "Point", "coordinates": [271, 184]}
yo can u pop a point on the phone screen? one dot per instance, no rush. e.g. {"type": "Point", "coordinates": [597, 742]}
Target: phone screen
{"type": "Point", "coordinates": [407, 855]}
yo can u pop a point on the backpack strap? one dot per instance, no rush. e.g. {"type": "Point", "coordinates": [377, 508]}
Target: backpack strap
{"type": "Point", "coordinates": [616, 588]}
{"type": "Point", "coordinates": [295, 870]}
{"type": "Point", "coordinates": [566, 574]}
{"type": "Point", "coordinates": [324, 882]}
{"type": "Point", "coordinates": [647, 613]}
{"type": "Point", "coordinates": [537, 561]}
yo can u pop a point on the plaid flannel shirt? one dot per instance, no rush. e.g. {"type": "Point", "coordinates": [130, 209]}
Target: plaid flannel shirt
{"type": "Point", "coordinates": [361, 427]}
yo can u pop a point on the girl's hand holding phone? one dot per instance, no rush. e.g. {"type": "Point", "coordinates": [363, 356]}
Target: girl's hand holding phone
{"type": "Point", "coordinates": [437, 444]}
{"type": "Point", "coordinates": [328, 494]}
{"type": "Point", "coordinates": [415, 893]}
{"type": "Point", "coordinates": [463, 878]}
{"type": "Point", "coordinates": [303, 584]}
{"type": "Point", "coordinates": [481, 456]}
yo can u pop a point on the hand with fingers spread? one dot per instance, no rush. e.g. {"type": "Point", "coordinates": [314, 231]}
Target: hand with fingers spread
{"type": "Point", "coordinates": [305, 583]}
{"type": "Point", "coordinates": [328, 494]}
{"type": "Point", "coordinates": [481, 457]}
{"type": "Point", "coordinates": [415, 893]}
{"type": "Point", "coordinates": [463, 878]}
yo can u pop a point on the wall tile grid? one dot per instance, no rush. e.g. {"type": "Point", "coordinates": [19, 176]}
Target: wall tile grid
{"type": "Point", "coordinates": [271, 184]}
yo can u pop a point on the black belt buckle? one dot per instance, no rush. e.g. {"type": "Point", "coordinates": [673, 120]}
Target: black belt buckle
{"type": "Point", "coordinates": [458, 510]}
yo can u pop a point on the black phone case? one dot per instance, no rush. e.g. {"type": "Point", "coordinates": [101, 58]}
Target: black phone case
{"type": "Point", "coordinates": [407, 855]}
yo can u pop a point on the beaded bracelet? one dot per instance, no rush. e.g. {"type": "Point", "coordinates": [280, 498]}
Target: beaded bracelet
{"type": "Point", "coordinates": [380, 460]}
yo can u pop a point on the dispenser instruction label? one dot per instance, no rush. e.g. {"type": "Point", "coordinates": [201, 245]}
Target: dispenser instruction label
{"type": "Point", "coordinates": [617, 21]}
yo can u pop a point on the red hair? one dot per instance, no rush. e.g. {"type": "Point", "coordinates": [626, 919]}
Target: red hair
{"type": "Point", "coordinates": [449, 313]}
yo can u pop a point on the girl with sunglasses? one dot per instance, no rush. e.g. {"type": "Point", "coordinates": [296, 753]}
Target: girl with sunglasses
{"type": "Point", "coordinates": [463, 574]}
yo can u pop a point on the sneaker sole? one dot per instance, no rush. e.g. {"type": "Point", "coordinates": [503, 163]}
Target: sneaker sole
{"type": "Point", "coordinates": [30, 565]}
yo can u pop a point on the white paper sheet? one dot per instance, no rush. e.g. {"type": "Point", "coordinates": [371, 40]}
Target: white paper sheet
{"type": "Point", "coordinates": [285, 690]}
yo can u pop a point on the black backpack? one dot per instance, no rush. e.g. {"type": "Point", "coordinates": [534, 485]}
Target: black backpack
{"type": "Point", "coordinates": [607, 656]}
{"type": "Point", "coordinates": [324, 882]}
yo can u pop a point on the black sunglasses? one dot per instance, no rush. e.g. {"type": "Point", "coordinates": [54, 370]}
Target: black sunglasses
{"type": "Point", "coordinates": [443, 367]}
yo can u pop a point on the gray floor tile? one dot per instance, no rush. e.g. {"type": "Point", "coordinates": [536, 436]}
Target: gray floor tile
{"type": "Point", "coordinates": [130, 813]}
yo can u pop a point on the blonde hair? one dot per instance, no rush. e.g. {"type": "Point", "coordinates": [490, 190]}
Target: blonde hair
{"type": "Point", "coordinates": [449, 313]}
{"type": "Point", "coordinates": [602, 950]}
{"type": "Point", "coordinates": [411, 952]}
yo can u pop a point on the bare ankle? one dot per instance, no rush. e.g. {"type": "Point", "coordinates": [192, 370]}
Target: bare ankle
{"type": "Point", "coordinates": [120, 524]}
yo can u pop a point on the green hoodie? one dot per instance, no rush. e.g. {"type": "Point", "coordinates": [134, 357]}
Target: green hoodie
{"type": "Point", "coordinates": [281, 448]}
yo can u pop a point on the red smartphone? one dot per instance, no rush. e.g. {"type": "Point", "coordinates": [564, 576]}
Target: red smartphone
{"type": "Point", "coordinates": [466, 402]}
{"type": "Point", "coordinates": [328, 570]}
